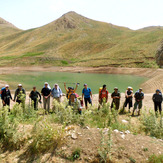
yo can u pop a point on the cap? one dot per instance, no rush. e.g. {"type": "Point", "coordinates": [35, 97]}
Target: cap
{"type": "Point", "coordinates": [129, 87]}
{"type": "Point", "coordinates": [85, 84]}
{"type": "Point", "coordinates": [116, 88]}
{"type": "Point", "coordinates": [140, 89]}
{"type": "Point", "coordinates": [19, 85]}
{"type": "Point", "coordinates": [46, 83]}
{"type": "Point", "coordinates": [6, 86]}
{"type": "Point", "coordinates": [56, 84]}
{"type": "Point", "coordinates": [157, 90]}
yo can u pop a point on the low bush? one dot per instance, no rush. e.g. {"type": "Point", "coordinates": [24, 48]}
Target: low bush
{"type": "Point", "coordinates": [155, 159]}
{"type": "Point", "coordinates": [152, 124]}
{"type": "Point", "coordinates": [9, 135]}
{"type": "Point", "coordinates": [45, 137]}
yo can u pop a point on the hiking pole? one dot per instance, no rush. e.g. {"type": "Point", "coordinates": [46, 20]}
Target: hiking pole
{"type": "Point", "coordinates": [69, 83]}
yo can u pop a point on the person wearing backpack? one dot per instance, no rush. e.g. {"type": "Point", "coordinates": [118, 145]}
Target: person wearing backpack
{"type": "Point", "coordinates": [103, 96]}
{"type": "Point", "coordinates": [34, 97]}
{"type": "Point", "coordinates": [70, 90]}
{"type": "Point", "coordinates": [56, 93]}
{"type": "Point", "coordinates": [3, 88]}
{"type": "Point", "coordinates": [6, 96]}
{"type": "Point", "coordinates": [87, 95]}
{"type": "Point", "coordinates": [20, 95]}
{"type": "Point", "coordinates": [116, 98]}
{"type": "Point", "coordinates": [157, 99]}
{"type": "Point", "coordinates": [139, 96]}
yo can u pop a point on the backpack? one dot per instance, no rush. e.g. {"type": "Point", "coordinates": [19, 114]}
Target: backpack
{"type": "Point", "coordinates": [100, 91]}
{"type": "Point", "coordinates": [2, 91]}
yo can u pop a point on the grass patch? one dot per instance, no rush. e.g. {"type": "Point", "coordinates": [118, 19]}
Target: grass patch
{"type": "Point", "coordinates": [32, 54]}
{"type": "Point", "coordinates": [155, 159]}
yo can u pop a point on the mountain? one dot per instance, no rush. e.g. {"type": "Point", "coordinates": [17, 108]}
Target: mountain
{"type": "Point", "coordinates": [74, 40]}
{"type": "Point", "coordinates": [7, 28]}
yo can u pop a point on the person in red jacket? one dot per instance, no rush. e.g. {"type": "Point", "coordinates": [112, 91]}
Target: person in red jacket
{"type": "Point", "coordinates": [103, 96]}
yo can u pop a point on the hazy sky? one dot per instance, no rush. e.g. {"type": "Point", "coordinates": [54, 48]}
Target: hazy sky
{"type": "Point", "coordinates": [135, 14]}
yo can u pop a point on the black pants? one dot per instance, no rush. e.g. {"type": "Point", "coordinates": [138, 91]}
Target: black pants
{"type": "Point", "coordinates": [157, 106]}
{"type": "Point", "coordinates": [35, 103]}
{"type": "Point", "coordinates": [86, 100]}
{"type": "Point", "coordinates": [18, 101]}
{"type": "Point", "coordinates": [128, 101]}
{"type": "Point", "coordinates": [7, 102]}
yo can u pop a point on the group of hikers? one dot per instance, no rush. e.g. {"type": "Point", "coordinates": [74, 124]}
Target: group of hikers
{"type": "Point", "coordinates": [75, 100]}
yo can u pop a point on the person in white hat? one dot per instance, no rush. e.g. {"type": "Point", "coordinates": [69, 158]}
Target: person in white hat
{"type": "Point", "coordinates": [56, 92]}
{"type": "Point", "coordinates": [19, 93]}
{"type": "Point", "coordinates": [129, 97]}
{"type": "Point", "coordinates": [6, 96]}
{"type": "Point", "coordinates": [46, 92]}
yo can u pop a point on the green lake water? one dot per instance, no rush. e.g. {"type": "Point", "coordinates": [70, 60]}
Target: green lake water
{"type": "Point", "coordinates": [94, 81]}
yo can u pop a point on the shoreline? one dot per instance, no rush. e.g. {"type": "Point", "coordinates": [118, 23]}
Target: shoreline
{"type": "Point", "coordinates": [155, 75]}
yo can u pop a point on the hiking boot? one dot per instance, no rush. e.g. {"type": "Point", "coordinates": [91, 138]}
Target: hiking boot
{"type": "Point", "coordinates": [139, 113]}
{"type": "Point", "coordinates": [129, 111]}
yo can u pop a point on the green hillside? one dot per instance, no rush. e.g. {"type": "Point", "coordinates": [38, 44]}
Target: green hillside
{"type": "Point", "coordinates": [76, 40]}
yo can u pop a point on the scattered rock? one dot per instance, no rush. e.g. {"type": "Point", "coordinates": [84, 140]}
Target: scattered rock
{"type": "Point", "coordinates": [124, 121]}
{"type": "Point", "coordinates": [121, 132]}
{"type": "Point", "coordinates": [64, 148]}
{"type": "Point", "coordinates": [105, 131]}
{"type": "Point", "coordinates": [159, 55]}
{"type": "Point", "coordinates": [123, 136]}
{"type": "Point", "coordinates": [127, 132]}
{"type": "Point", "coordinates": [74, 136]}
{"type": "Point", "coordinates": [87, 127]}
{"type": "Point", "coordinates": [68, 128]}
{"type": "Point", "coordinates": [116, 131]}
{"type": "Point", "coordinates": [79, 133]}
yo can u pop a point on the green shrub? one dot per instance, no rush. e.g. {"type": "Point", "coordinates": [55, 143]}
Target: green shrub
{"type": "Point", "coordinates": [46, 137]}
{"type": "Point", "coordinates": [155, 159]}
{"type": "Point", "coordinates": [105, 148]}
{"type": "Point", "coordinates": [75, 154]}
{"type": "Point", "coordinates": [151, 124]}
{"type": "Point", "coordinates": [9, 135]}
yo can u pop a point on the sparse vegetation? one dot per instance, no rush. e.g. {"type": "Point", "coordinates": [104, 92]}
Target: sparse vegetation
{"type": "Point", "coordinates": [47, 132]}
{"type": "Point", "coordinates": [90, 42]}
{"type": "Point", "coordinates": [155, 159]}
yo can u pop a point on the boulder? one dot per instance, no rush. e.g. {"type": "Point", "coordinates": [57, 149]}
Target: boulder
{"type": "Point", "coordinates": [159, 55]}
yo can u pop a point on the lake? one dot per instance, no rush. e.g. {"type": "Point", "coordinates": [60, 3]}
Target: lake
{"type": "Point", "coordinates": [94, 81]}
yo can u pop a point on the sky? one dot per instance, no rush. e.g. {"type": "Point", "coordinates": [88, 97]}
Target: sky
{"type": "Point", "coordinates": [134, 14]}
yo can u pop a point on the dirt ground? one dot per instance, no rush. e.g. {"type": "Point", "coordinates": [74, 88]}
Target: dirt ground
{"type": "Point", "coordinates": [131, 147]}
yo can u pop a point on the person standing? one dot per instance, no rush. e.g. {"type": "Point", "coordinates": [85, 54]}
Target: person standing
{"type": "Point", "coordinates": [20, 95]}
{"type": "Point", "coordinates": [6, 96]}
{"type": "Point", "coordinates": [34, 97]}
{"type": "Point", "coordinates": [87, 95]}
{"type": "Point", "coordinates": [116, 98]}
{"type": "Point", "coordinates": [103, 96]}
{"type": "Point", "coordinates": [157, 99]}
{"type": "Point", "coordinates": [70, 90]}
{"type": "Point", "coordinates": [129, 97]}
{"type": "Point", "coordinates": [139, 96]}
{"type": "Point", "coordinates": [46, 91]}
{"type": "Point", "coordinates": [56, 93]}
